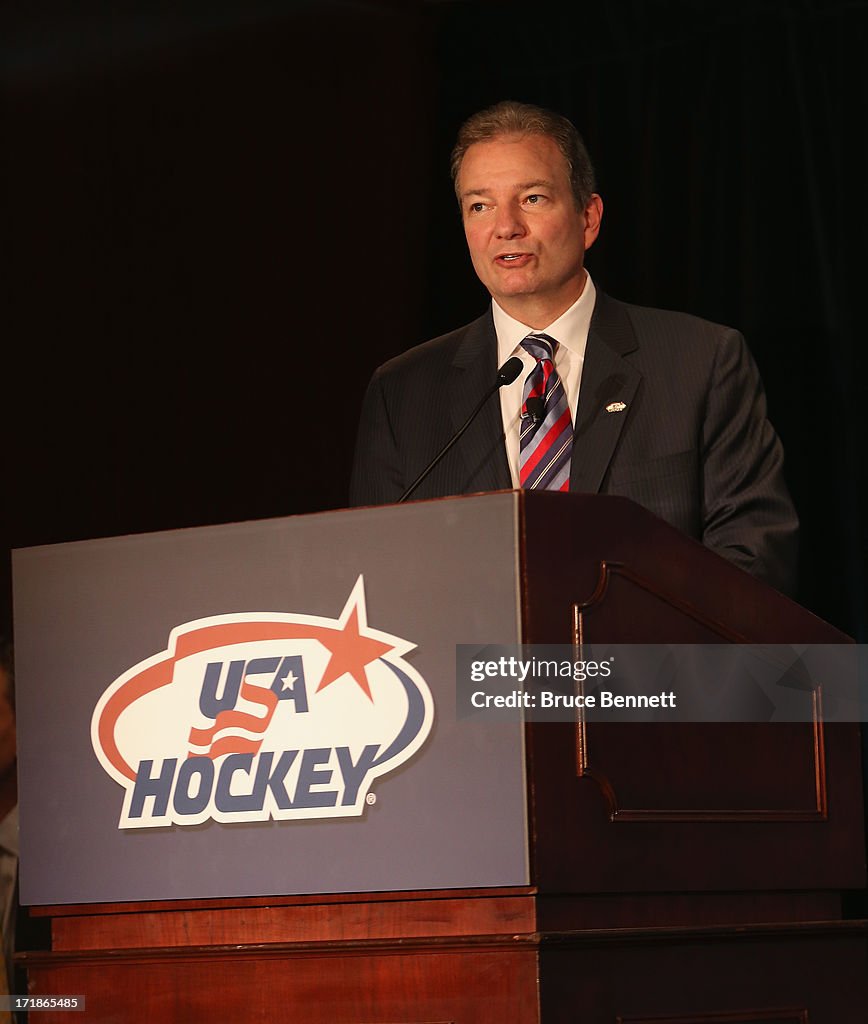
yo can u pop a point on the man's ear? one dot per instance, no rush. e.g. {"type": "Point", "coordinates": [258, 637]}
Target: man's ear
{"type": "Point", "coordinates": [593, 217]}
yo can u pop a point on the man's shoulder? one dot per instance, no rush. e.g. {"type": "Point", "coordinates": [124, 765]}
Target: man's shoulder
{"type": "Point", "coordinates": [655, 318]}
{"type": "Point", "coordinates": [463, 343]}
{"type": "Point", "coordinates": [661, 338]}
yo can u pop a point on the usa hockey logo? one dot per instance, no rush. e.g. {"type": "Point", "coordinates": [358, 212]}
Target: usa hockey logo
{"type": "Point", "coordinates": [252, 717]}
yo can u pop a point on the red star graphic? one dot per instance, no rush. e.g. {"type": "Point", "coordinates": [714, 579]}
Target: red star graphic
{"type": "Point", "coordinates": [350, 653]}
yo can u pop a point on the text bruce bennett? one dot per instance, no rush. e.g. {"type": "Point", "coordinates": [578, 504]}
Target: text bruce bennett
{"type": "Point", "coordinates": [547, 699]}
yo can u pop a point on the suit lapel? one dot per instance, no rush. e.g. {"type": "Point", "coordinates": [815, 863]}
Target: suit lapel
{"type": "Point", "coordinates": [472, 373]}
{"type": "Point", "coordinates": [607, 380]}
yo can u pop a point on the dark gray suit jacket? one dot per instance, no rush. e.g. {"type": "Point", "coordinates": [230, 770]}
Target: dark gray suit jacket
{"type": "Point", "coordinates": [693, 444]}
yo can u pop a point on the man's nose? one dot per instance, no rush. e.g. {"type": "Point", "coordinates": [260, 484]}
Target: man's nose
{"type": "Point", "coordinates": [509, 223]}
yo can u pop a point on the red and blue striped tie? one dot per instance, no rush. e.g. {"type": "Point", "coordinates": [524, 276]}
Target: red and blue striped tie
{"type": "Point", "coordinates": [546, 437]}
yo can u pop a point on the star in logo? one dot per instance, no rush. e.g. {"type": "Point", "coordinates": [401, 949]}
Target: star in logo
{"type": "Point", "coordinates": [354, 646]}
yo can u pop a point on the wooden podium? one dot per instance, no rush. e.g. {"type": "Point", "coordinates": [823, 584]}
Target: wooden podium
{"type": "Point", "coordinates": [678, 873]}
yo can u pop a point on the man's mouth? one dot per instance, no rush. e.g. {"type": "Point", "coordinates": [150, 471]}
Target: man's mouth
{"type": "Point", "coordinates": [513, 257]}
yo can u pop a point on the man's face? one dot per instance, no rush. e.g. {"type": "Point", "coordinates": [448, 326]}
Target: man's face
{"type": "Point", "coordinates": [526, 238]}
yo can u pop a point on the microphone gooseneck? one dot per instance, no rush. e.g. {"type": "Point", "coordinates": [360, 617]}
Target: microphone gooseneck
{"type": "Point", "coordinates": [505, 375]}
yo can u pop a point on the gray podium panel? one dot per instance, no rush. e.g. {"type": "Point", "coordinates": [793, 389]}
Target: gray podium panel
{"type": "Point", "coordinates": [267, 708]}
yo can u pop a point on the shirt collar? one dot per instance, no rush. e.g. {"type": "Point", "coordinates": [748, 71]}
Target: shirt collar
{"type": "Point", "coordinates": [570, 329]}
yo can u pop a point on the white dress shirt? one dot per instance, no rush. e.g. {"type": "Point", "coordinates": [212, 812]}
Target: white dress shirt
{"type": "Point", "coordinates": [570, 331]}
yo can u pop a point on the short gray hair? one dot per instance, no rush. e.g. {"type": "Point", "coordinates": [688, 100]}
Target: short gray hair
{"type": "Point", "coordinates": [512, 118]}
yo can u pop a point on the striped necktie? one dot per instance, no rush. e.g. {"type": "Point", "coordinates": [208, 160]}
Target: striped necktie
{"type": "Point", "coordinates": [546, 437]}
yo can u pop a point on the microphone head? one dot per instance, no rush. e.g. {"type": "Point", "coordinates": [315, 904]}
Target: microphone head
{"type": "Point", "coordinates": [509, 371]}
{"type": "Point", "coordinates": [536, 408]}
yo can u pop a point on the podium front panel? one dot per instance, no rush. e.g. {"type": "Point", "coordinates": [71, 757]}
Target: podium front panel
{"type": "Point", "coordinates": [268, 708]}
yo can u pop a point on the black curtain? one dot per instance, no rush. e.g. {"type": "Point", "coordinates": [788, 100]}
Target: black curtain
{"type": "Point", "coordinates": [219, 217]}
{"type": "Point", "coordinates": [730, 145]}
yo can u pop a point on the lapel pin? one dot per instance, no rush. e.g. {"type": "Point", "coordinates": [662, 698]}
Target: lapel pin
{"type": "Point", "coordinates": [616, 407]}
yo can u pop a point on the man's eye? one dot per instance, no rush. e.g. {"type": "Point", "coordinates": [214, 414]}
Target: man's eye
{"type": "Point", "coordinates": [533, 200]}
{"type": "Point", "coordinates": [477, 207]}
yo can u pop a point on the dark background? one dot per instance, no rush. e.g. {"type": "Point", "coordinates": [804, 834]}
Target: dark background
{"type": "Point", "coordinates": [218, 218]}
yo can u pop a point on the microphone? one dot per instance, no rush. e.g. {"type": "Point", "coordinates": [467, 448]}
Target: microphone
{"type": "Point", "coordinates": [536, 408]}
{"type": "Point", "coordinates": [505, 375]}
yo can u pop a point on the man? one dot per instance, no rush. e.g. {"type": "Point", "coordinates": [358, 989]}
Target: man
{"type": "Point", "coordinates": [656, 406]}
